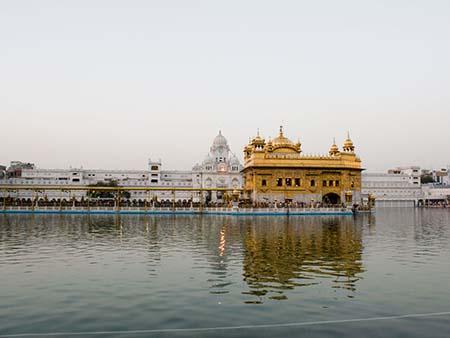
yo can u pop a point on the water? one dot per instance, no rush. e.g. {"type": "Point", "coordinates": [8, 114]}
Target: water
{"type": "Point", "coordinates": [119, 273]}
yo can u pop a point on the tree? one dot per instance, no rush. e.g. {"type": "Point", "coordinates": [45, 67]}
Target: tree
{"type": "Point", "coordinates": [424, 179]}
{"type": "Point", "coordinates": [106, 193]}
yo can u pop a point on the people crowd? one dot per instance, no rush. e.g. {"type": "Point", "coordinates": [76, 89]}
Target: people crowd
{"type": "Point", "coordinates": [140, 203]}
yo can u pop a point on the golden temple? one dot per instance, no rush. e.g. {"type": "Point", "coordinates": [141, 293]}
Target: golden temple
{"type": "Point", "coordinates": [276, 171]}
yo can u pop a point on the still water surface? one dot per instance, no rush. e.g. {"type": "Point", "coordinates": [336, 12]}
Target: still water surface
{"type": "Point", "coordinates": [118, 273]}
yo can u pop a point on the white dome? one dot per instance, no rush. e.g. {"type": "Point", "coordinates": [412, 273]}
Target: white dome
{"type": "Point", "coordinates": [220, 141]}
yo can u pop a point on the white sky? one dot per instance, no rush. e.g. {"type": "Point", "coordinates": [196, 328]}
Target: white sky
{"type": "Point", "coordinates": [108, 84]}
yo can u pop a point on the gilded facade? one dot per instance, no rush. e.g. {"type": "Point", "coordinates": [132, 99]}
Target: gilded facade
{"type": "Point", "coordinates": [277, 171]}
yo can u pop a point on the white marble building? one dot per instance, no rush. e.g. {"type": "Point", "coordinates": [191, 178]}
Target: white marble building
{"type": "Point", "coordinates": [220, 169]}
{"type": "Point", "coordinates": [436, 192]}
{"type": "Point", "coordinates": [395, 188]}
{"type": "Point", "coordinates": [439, 191]}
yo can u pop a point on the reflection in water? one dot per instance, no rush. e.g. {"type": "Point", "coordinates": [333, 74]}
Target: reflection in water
{"type": "Point", "coordinates": [95, 273]}
{"type": "Point", "coordinates": [275, 254]}
{"type": "Point", "coordinates": [282, 256]}
{"type": "Point", "coordinates": [222, 242]}
{"type": "Point", "coordinates": [219, 257]}
{"type": "Point", "coordinates": [219, 282]}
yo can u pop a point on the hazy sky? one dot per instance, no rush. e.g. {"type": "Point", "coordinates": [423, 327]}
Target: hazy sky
{"type": "Point", "coordinates": [108, 84]}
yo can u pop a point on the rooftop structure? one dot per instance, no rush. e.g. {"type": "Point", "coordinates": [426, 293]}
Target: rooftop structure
{"type": "Point", "coordinates": [16, 167]}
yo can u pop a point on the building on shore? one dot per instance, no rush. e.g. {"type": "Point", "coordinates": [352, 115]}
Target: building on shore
{"type": "Point", "coordinates": [398, 187]}
{"type": "Point", "coordinates": [438, 192]}
{"type": "Point", "coordinates": [402, 187]}
{"type": "Point", "coordinates": [441, 176]}
{"type": "Point", "coordinates": [276, 171]}
{"type": "Point", "coordinates": [435, 195]}
{"type": "Point", "coordinates": [16, 167]}
{"type": "Point", "coordinates": [412, 172]}
{"type": "Point", "coordinates": [221, 169]}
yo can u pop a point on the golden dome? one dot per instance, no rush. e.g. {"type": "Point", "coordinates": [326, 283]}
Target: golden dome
{"type": "Point", "coordinates": [258, 139]}
{"type": "Point", "coordinates": [282, 142]}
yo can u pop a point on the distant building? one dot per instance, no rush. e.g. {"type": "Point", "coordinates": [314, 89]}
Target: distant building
{"type": "Point", "coordinates": [441, 176]}
{"type": "Point", "coordinates": [436, 193]}
{"type": "Point", "coordinates": [221, 169]}
{"type": "Point", "coordinates": [396, 187]}
{"type": "Point", "coordinates": [16, 167]}
{"type": "Point", "coordinates": [413, 173]}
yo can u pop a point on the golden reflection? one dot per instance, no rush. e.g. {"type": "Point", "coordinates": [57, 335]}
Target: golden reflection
{"type": "Point", "coordinates": [281, 257]}
{"type": "Point", "coordinates": [222, 243]}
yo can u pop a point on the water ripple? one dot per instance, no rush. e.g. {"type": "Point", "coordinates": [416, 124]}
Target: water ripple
{"type": "Point", "coordinates": [81, 273]}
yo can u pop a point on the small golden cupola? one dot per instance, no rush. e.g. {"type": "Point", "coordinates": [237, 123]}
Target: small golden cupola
{"type": "Point", "coordinates": [334, 150]}
{"type": "Point", "coordinates": [283, 144]}
{"type": "Point", "coordinates": [258, 142]}
{"type": "Point", "coordinates": [348, 144]}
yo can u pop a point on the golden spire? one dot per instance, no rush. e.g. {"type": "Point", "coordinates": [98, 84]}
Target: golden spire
{"type": "Point", "coordinates": [334, 150]}
{"type": "Point", "coordinates": [269, 146]}
{"type": "Point", "coordinates": [258, 141]}
{"type": "Point", "coordinates": [348, 144]}
{"type": "Point", "coordinates": [281, 131]}
{"type": "Point", "coordinates": [258, 136]}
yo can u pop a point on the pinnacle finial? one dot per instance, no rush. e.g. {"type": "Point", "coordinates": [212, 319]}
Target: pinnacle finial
{"type": "Point", "coordinates": [281, 130]}
{"type": "Point", "coordinates": [334, 140]}
{"type": "Point", "coordinates": [257, 132]}
{"type": "Point", "coordinates": [348, 144]}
